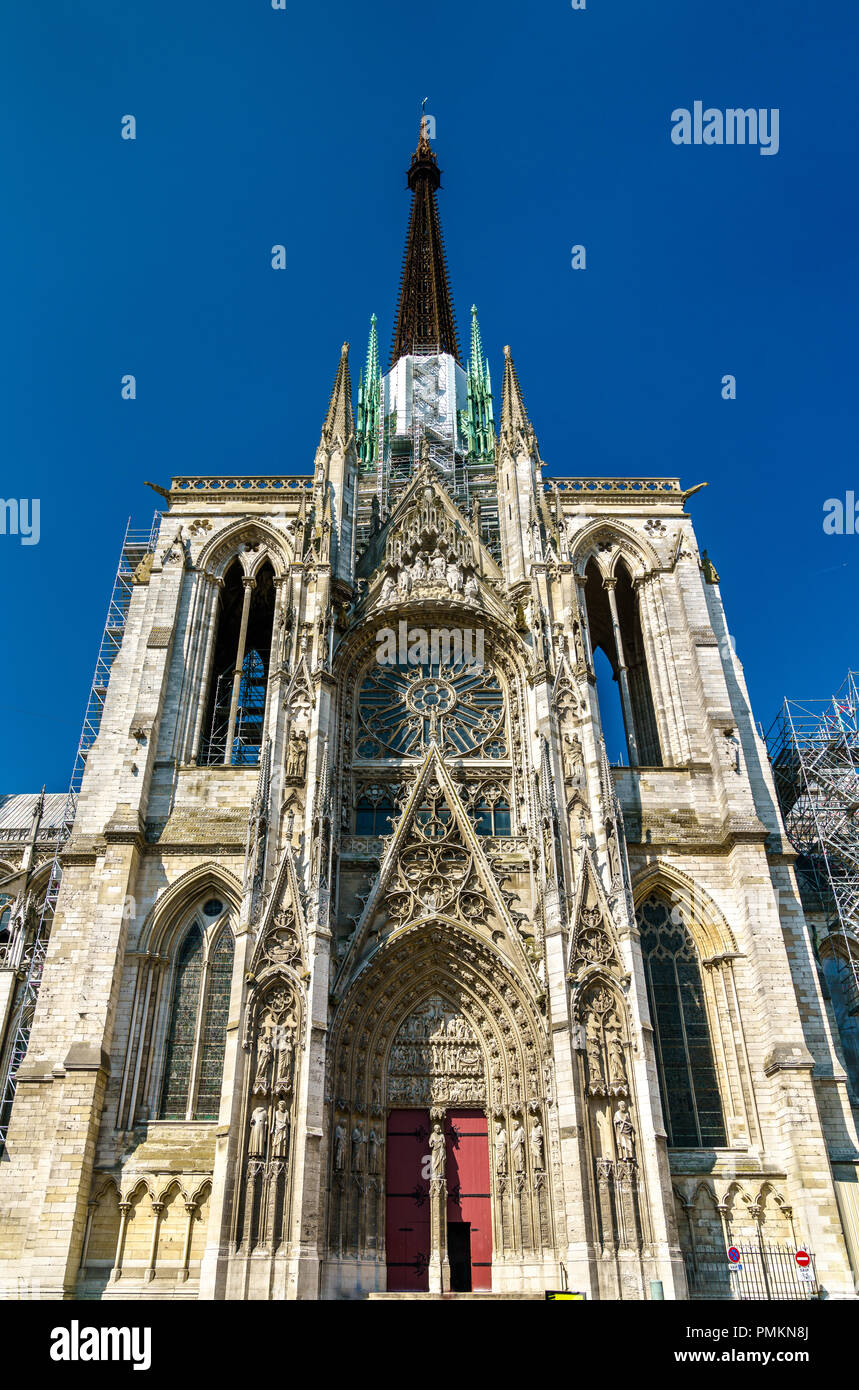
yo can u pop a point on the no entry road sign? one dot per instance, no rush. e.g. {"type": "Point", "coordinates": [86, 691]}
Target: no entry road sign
{"type": "Point", "coordinates": [803, 1259]}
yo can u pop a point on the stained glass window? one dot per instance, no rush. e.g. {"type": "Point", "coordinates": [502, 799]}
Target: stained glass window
{"type": "Point", "coordinates": [402, 709]}
{"type": "Point", "coordinates": [213, 1038]}
{"type": "Point", "coordinates": [183, 1027]}
{"type": "Point", "coordinates": [691, 1103]}
{"type": "Point", "coordinates": [186, 1015]}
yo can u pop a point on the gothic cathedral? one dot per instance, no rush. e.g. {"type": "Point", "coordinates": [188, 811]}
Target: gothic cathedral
{"type": "Point", "coordinates": [372, 973]}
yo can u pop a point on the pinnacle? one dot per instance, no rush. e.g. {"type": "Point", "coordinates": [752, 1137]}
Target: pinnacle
{"type": "Point", "coordinates": [339, 426]}
{"type": "Point", "coordinates": [514, 416]}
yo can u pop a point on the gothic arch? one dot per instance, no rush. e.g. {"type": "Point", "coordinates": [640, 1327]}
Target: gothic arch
{"type": "Point", "coordinates": [217, 555]}
{"type": "Point", "coordinates": [487, 1052]}
{"type": "Point", "coordinates": [640, 556]}
{"type": "Point", "coordinates": [707, 926]}
{"type": "Point", "coordinates": [169, 912]}
{"type": "Point", "coordinates": [436, 957]}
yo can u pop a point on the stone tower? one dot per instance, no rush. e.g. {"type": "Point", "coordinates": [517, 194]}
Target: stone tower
{"type": "Point", "coordinates": [368, 970]}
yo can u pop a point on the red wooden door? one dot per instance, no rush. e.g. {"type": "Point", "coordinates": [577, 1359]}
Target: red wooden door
{"type": "Point", "coordinates": [468, 1197]}
{"type": "Point", "coordinates": [407, 1204]}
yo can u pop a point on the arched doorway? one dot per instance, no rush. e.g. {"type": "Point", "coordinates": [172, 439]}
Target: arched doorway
{"type": "Point", "coordinates": [436, 1066]}
{"type": "Point", "coordinates": [438, 1032]}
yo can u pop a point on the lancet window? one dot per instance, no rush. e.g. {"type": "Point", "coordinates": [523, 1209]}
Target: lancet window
{"type": "Point", "coordinates": [197, 1022]}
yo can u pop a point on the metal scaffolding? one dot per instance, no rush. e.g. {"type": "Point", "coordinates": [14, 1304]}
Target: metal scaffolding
{"type": "Point", "coordinates": [136, 546]}
{"type": "Point", "coordinates": [814, 750]}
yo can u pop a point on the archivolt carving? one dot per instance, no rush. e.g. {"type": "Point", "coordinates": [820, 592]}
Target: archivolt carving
{"type": "Point", "coordinates": [473, 982]}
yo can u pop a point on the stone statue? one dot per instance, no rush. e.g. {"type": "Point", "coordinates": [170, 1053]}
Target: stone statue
{"type": "Point", "coordinates": [536, 1141]}
{"type": "Point", "coordinates": [471, 587]}
{"type": "Point", "coordinates": [419, 569]}
{"type": "Point", "coordinates": [437, 567]}
{"type": "Point", "coordinates": [259, 1127]}
{"type": "Point", "coordinates": [286, 1053]}
{"type": "Point", "coordinates": [437, 1152]}
{"type": "Point", "coordinates": [517, 1147]}
{"type": "Point", "coordinates": [389, 589]}
{"type": "Point", "coordinates": [404, 582]}
{"type": "Point", "coordinates": [296, 758]}
{"type": "Point", "coordinates": [280, 1131]}
{"type": "Point", "coordinates": [373, 1153]}
{"type": "Point", "coordinates": [574, 757]}
{"type": "Point", "coordinates": [500, 1151]}
{"type": "Point", "coordinates": [454, 578]}
{"type": "Point", "coordinates": [616, 1067]}
{"type": "Point", "coordinates": [260, 1087]}
{"type": "Point", "coordinates": [625, 1132]}
{"type": "Point", "coordinates": [594, 1051]}
{"type": "Point", "coordinates": [358, 1142]}
{"type": "Point", "coordinates": [339, 1148]}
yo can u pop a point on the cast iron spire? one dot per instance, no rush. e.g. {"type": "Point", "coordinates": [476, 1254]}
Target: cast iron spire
{"type": "Point", "coordinates": [425, 322]}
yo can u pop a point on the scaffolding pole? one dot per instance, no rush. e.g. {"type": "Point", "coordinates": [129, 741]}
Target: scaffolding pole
{"type": "Point", "coordinates": [135, 546]}
{"type": "Point", "coordinates": [813, 747]}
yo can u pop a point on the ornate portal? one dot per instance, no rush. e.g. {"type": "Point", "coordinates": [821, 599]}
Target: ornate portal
{"type": "Point", "coordinates": [435, 1059]}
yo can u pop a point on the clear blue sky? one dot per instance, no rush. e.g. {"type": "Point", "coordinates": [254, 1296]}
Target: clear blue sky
{"type": "Point", "coordinates": [553, 127]}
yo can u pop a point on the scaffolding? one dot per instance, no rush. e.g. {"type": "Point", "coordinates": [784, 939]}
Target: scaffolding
{"type": "Point", "coordinates": [136, 546]}
{"type": "Point", "coordinates": [813, 746]}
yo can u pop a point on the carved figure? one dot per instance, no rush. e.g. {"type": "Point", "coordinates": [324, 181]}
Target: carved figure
{"type": "Point", "coordinates": [280, 1131]}
{"type": "Point", "coordinates": [616, 1068]}
{"type": "Point", "coordinates": [454, 578]}
{"type": "Point", "coordinates": [296, 758]}
{"type": "Point", "coordinates": [339, 1148]}
{"type": "Point", "coordinates": [389, 589]}
{"type": "Point", "coordinates": [260, 1087]}
{"type": "Point", "coordinates": [536, 1141]}
{"type": "Point", "coordinates": [517, 1147]}
{"type": "Point", "coordinates": [437, 1152]}
{"type": "Point", "coordinates": [373, 1153]}
{"type": "Point", "coordinates": [259, 1127]}
{"type": "Point", "coordinates": [358, 1142]}
{"type": "Point", "coordinates": [500, 1144]}
{"type": "Point", "coordinates": [625, 1131]}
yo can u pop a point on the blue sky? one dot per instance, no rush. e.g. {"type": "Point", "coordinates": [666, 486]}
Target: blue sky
{"type": "Point", "coordinates": [257, 127]}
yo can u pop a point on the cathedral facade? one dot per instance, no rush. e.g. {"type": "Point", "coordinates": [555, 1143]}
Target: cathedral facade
{"type": "Point", "coordinates": [369, 972]}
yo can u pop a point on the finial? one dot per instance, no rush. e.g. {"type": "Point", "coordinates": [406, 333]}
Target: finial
{"type": "Point", "coordinates": [344, 351]}
{"type": "Point", "coordinates": [507, 350]}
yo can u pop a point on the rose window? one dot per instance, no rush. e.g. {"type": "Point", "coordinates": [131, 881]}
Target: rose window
{"type": "Point", "coordinates": [402, 709]}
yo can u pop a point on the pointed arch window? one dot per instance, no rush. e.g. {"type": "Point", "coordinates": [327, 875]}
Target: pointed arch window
{"type": "Point", "coordinates": [691, 1103]}
{"type": "Point", "coordinates": [614, 620]}
{"type": "Point", "coordinates": [235, 706]}
{"type": "Point", "coordinates": [197, 1024]}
